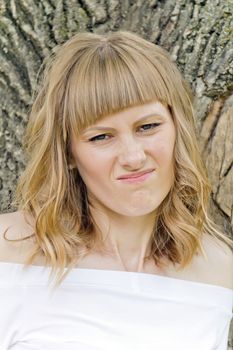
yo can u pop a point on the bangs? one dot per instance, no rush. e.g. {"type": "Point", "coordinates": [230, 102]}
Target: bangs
{"type": "Point", "coordinates": [107, 79]}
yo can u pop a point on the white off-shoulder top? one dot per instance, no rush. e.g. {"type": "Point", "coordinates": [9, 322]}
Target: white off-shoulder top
{"type": "Point", "coordinates": [110, 310]}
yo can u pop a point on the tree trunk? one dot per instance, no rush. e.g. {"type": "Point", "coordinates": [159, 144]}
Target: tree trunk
{"type": "Point", "coordinates": [198, 34]}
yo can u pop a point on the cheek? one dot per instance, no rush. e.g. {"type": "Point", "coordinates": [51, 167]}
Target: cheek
{"type": "Point", "coordinates": [92, 167]}
{"type": "Point", "coordinates": [163, 149]}
{"type": "Point", "coordinates": [88, 168]}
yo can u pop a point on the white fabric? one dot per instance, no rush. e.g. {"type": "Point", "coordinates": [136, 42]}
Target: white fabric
{"type": "Point", "coordinates": [110, 310]}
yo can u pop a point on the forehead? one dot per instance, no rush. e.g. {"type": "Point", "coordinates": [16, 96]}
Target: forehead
{"type": "Point", "coordinates": [132, 115]}
{"type": "Point", "coordinates": [140, 111]}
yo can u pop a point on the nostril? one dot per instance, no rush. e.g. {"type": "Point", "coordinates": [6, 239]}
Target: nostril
{"type": "Point", "coordinates": [133, 160]}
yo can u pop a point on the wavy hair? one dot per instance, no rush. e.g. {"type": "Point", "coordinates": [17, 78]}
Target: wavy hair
{"type": "Point", "coordinates": [84, 80]}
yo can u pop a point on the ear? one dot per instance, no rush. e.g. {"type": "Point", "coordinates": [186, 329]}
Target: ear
{"type": "Point", "coordinates": [71, 166]}
{"type": "Point", "coordinates": [70, 160]}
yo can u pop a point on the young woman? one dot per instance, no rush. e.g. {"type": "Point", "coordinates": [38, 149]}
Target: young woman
{"type": "Point", "coordinates": [111, 246]}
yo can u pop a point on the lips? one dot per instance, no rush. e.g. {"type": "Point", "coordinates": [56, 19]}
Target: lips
{"type": "Point", "coordinates": [135, 175]}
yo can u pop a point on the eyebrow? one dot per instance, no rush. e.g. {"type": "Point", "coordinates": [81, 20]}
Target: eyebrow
{"type": "Point", "coordinates": [139, 120]}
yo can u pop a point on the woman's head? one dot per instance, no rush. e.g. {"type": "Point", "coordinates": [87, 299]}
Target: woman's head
{"type": "Point", "coordinates": [90, 79]}
{"type": "Point", "coordinates": [94, 76]}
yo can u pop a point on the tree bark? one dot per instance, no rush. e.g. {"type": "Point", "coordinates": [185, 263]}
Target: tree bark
{"type": "Point", "coordinates": [198, 34]}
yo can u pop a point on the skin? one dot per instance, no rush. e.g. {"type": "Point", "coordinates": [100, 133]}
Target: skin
{"type": "Point", "coordinates": [121, 144]}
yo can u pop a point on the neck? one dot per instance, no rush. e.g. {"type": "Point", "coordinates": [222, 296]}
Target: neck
{"type": "Point", "coordinates": [126, 239]}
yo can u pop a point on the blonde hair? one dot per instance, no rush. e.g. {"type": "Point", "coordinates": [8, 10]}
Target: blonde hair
{"type": "Point", "coordinates": [88, 78]}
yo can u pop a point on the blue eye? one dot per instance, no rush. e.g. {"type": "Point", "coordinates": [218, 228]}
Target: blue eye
{"type": "Point", "coordinates": [148, 127]}
{"type": "Point", "coordinates": [101, 137]}
{"type": "Point", "coordinates": [143, 128]}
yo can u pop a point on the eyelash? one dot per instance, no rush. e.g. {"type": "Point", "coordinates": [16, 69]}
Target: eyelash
{"type": "Point", "coordinates": [97, 137]}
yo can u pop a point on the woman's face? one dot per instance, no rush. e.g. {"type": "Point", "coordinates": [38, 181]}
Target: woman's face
{"type": "Point", "coordinates": [111, 154]}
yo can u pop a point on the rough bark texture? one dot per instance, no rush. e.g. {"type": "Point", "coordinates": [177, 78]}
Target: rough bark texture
{"type": "Point", "coordinates": [198, 34]}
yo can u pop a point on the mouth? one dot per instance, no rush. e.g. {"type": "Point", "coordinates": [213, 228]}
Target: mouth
{"type": "Point", "coordinates": [136, 177]}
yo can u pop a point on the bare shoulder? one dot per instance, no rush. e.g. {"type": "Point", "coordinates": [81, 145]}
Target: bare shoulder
{"type": "Point", "coordinates": [13, 228]}
{"type": "Point", "coordinates": [219, 261]}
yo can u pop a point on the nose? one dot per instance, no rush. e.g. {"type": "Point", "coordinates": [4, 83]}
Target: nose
{"type": "Point", "coordinates": [131, 154]}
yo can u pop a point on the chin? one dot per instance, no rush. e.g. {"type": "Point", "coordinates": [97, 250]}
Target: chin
{"type": "Point", "coordinates": [142, 206]}
{"type": "Point", "coordinates": [135, 212]}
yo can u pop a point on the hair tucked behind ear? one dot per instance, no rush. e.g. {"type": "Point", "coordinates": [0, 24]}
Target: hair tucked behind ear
{"type": "Point", "coordinates": [88, 78]}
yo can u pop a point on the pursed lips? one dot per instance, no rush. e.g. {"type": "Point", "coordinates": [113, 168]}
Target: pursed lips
{"type": "Point", "coordinates": [135, 175]}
